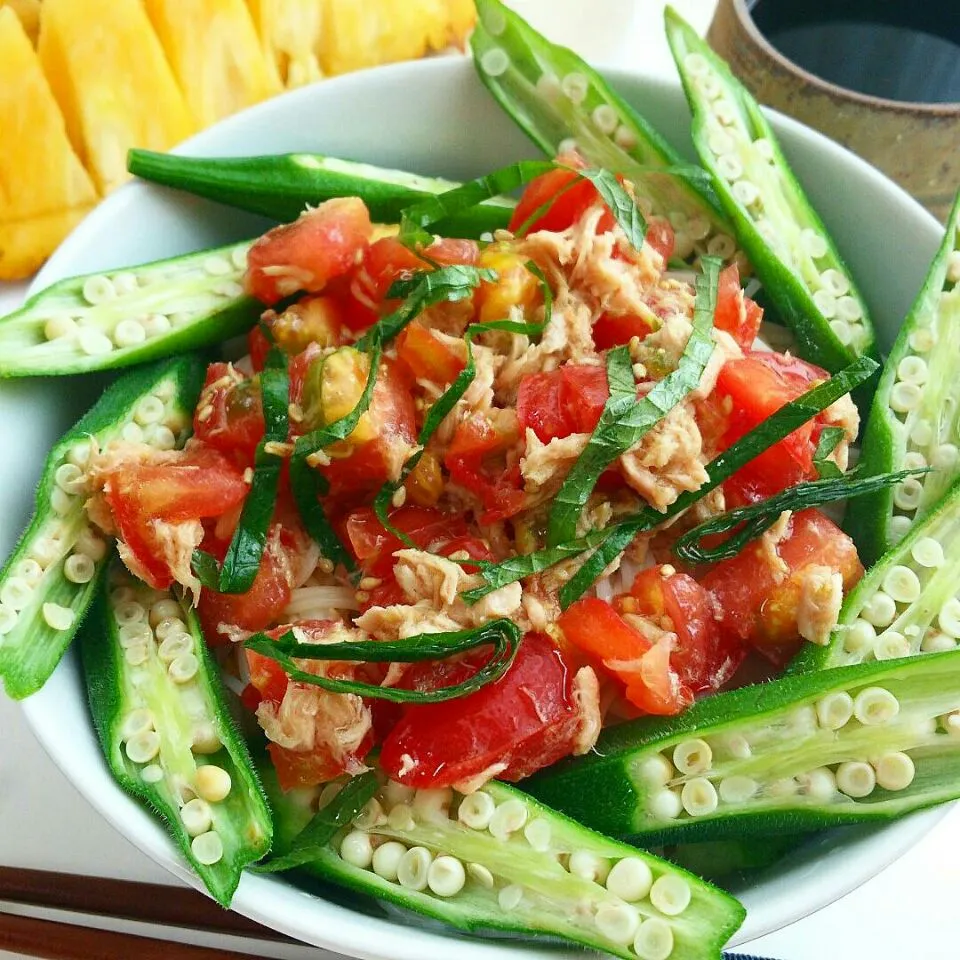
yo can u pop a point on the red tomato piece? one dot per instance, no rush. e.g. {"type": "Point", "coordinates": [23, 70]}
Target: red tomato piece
{"type": "Point", "coordinates": [526, 720]}
{"type": "Point", "coordinates": [615, 330]}
{"type": "Point", "coordinates": [475, 461]}
{"type": "Point", "coordinates": [755, 387]}
{"type": "Point", "coordinates": [594, 627]}
{"type": "Point", "coordinates": [661, 237]}
{"type": "Point", "coordinates": [759, 605]}
{"type": "Point", "coordinates": [567, 195]}
{"type": "Point", "coordinates": [229, 416]}
{"type": "Point", "coordinates": [320, 245]}
{"type": "Point", "coordinates": [564, 401]}
{"type": "Point", "coordinates": [701, 658]}
{"type": "Point", "coordinates": [449, 251]}
{"type": "Point", "coordinates": [736, 313]}
{"type": "Point", "coordinates": [426, 356]}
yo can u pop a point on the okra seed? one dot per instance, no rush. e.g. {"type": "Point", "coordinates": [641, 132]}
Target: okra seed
{"type": "Point", "coordinates": [785, 787]}
{"type": "Point", "coordinates": [656, 771]}
{"type": "Point", "coordinates": [914, 460]}
{"type": "Point", "coordinates": [737, 746]}
{"type": "Point", "coordinates": [856, 779]}
{"type": "Point", "coordinates": [746, 192]}
{"type": "Point", "coordinates": [136, 722]}
{"type": "Point", "coordinates": [724, 112]}
{"type": "Point", "coordinates": [575, 87]}
{"type": "Point", "coordinates": [729, 167]}
{"type": "Point", "coordinates": [617, 922]}
{"type": "Point", "coordinates": [61, 501]}
{"type": "Point", "coordinates": [386, 859]}
{"type": "Point", "coordinates": [859, 637]}
{"type": "Point", "coordinates": [630, 879]}
{"type": "Point", "coordinates": [80, 453]}
{"type": "Point", "coordinates": [891, 645]}
{"type": "Point", "coordinates": [57, 617]}
{"type": "Point", "coordinates": [163, 610]}
{"type": "Point", "coordinates": [394, 793]}
{"type": "Point", "coordinates": [692, 756]}
{"type": "Point", "coordinates": [184, 668]}
{"type": "Point", "coordinates": [820, 783]}
{"type": "Point", "coordinates": [29, 571]}
{"type": "Point", "coordinates": [720, 142]}
{"type": "Point", "coordinates": [895, 771]}
{"type": "Point", "coordinates": [548, 86]}
{"type": "Point", "coordinates": [413, 868]}
{"type": "Point", "coordinates": [207, 848]}
{"type": "Point", "coordinates": [813, 243]}
{"type": "Point", "coordinates": [953, 266]}
{"type": "Point", "coordinates": [149, 410]}
{"type": "Point", "coordinates": [217, 266]}
{"type": "Point", "coordinates": [899, 527]}
{"type": "Point", "coordinates": [826, 303]}
{"type": "Point", "coordinates": [495, 62]}
{"type": "Point", "coordinates": [921, 433]}
{"type": "Point", "coordinates": [721, 245]}
{"type": "Point", "coordinates": [698, 228]}
{"type": "Point", "coordinates": [696, 65]}
{"type": "Point", "coordinates": [136, 654]}
{"type": "Point", "coordinates": [951, 723]}
{"type": "Point", "coordinates": [509, 817]}
{"type": "Point", "coordinates": [69, 478]}
{"type": "Point", "coordinates": [654, 940]}
{"type": "Point", "coordinates": [357, 850]}
{"type": "Point", "coordinates": [699, 797]}
{"type": "Point", "coordinates": [875, 705]}
{"type": "Point", "coordinates": [152, 773]}
{"type": "Point", "coordinates": [879, 610]}
{"type": "Point", "coordinates": [161, 437]}
{"type": "Point", "coordinates": [945, 457]}
{"type": "Point", "coordinates": [849, 309]}
{"type": "Point", "coordinates": [433, 806]}
{"type": "Point", "coordinates": [446, 876]}
{"type": "Point", "coordinates": [143, 747]}
{"type": "Point", "coordinates": [155, 324]}
{"type": "Point", "coordinates": [371, 815]}
{"type": "Point", "coordinates": [589, 866]}
{"type": "Point", "coordinates": [835, 709]}
{"type": "Point", "coordinates": [128, 611]}
{"type": "Point", "coordinates": [196, 816]}
{"type": "Point", "coordinates": [948, 619]}
{"type": "Point", "coordinates": [802, 720]}
{"type": "Point", "coordinates": [765, 149]}
{"type": "Point", "coordinates": [229, 289]}
{"type": "Point", "coordinates": [129, 333]}
{"type": "Point", "coordinates": [205, 740]}
{"type": "Point", "coordinates": [907, 495]}
{"type": "Point", "coordinates": [132, 433]}
{"type": "Point", "coordinates": [683, 244]}
{"type": "Point", "coordinates": [665, 805]}
{"type": "Point", "coordinates": [567, 145]}
{"type": "Point", "coordinates": [670, 894]}
{"type": "Point", "coordinates": [913, 370]}
{"type": "Point", "coordinates": [922, 340]}
{"type": "Point", "coordinates": [16, 593]}
{"type": "Point", "coordinates": [92, 342]}
{"type": "Point", "coordinates": [538, 834]}
{"type": "Point", "coordinates": [509, 897]}
{"type": "Point", "coordinates": [79, 568]}
{"type": "Point", "coordinates": [937, 643]}
{"type": "Point", "coordinates": [181, 318]}
{"type": "Point", "coordinates": [401, 818]}
{"type": "Point", "coordinates": [476, 809]}
{"type": "Point", "coordinates": [709, 86]}
{"type": "Point", "coordinates": [98, 289]}
{"type": "Point", "coordinates": [605, 118]}
{"type": "Point", "coordinates": [125, 283]}
{"type": "Point", "coordinates": [90, 545]}
{"type": "Point", "coordinates": [59, 326]}
{"type": "Point", "coordinates": [905, 396]}
{"type": "Point", "coordinates": [737, 789]}
{"type": "Point", "coordinates": [170, 627]}
{"type": "Point", "coordinates": [481, 874]}
{"type": "Point", "coordinates": [841, 330]}
{"type": "Point", "coordinates": [835, 282]}
{"type": "Point", "coordinates": [8, 619]}
{"type": "Point", "coordinates": [902, 584]}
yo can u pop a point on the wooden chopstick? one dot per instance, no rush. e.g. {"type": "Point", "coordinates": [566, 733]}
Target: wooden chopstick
{"type": "Point", "coordinates": [63, 941]}
{"type": "Point", "coordinates": [147, 902]}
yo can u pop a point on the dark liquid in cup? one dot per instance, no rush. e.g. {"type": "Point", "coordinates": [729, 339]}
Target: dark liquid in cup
{"type": "Point", "coordinates": [905, 50]}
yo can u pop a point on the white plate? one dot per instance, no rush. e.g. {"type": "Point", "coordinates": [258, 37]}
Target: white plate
{"type": "Point", "coordinates": [433, 117]}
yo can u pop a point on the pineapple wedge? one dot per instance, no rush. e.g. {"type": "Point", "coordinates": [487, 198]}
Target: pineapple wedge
{"type": "Point", "coordinates": [116, 89]}
{"type": "Point", "coordinates": [44, 190]}
{"type": "Point", "coordinates": [215, 53]}
{"type": "Point", "coordinates": [291, 32]}
{"type": "Point", "coordinates": [29, 13]}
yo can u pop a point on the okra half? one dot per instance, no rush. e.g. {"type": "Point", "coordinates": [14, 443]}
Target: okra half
{"type": "Point", "coordinates": [908, 603]}
{"type": "Point", "coordinates": [497, 860]}
{"type": "Point", "coordinates": [562, 103]}
{"type": "Point", "coordinates": [120, 317]}
{"type": "Point", "coordinates": [49, 580]}
{"type": "Point", "coordinates": [862, 743]}
{"type": "Point", "coordinates": [915, 417]}
{"type": "Point", "coordinates": [282, 186]}
{"type": "Point", "coordinates": [157, 702]}
{"type": "Point", "coordinates": [792, 253]}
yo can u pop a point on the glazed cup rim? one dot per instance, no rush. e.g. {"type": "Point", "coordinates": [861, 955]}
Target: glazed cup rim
{"type": "Point", "coordinates": [947, 109]}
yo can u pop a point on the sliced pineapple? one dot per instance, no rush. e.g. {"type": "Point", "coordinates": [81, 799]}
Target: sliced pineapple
{"type": "Point", "coordinates": [291, 33]}
{"type": "Point", "coordinates": [215, 53]}
{"type": "Point", "coordinates": [44, 190]}
{"type": "Point", "coordinates": [29, 13]}
{"type": "Point", "coordinates": [113, 83]}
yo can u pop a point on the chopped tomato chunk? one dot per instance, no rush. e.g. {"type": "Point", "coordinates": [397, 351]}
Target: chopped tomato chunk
{"type": "Point", "coordinates": [509, 729]}
{"type": "Point", "coordinates": [563, 193]}
{"type": "Point", "coordinates": [564, 401]}
{"type": "Point", "coordinates": [760, 604]}
{"type": "Point", "coordinates": [319, 246]}
{"type": "Point", "coordinates": [229, 416]}
{"type": "Point", "coordinates": [426, 356]}
{"type": "Point", "coordinates": [736, 313]}
{"type": "Point", "coordinates": [616, 329]}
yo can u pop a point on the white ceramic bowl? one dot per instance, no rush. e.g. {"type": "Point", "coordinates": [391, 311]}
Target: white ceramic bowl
{"type": "Point", "coordinates": [432, 117]}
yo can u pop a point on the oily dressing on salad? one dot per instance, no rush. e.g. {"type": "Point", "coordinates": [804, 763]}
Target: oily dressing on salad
{"type": "Point", "coordinates": [495, 500]}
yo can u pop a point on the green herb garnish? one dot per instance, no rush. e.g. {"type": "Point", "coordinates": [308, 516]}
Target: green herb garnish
{"type": "Point", "coordinates": [830, 439]}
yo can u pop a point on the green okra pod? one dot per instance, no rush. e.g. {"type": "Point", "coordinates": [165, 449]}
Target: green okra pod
{"type": "Point", "coordinates": [499, 860]}
{"type": "Point", "coordinates": [120, 317]}
{"type": "Point", "coordinates": [862, 743]}
{"type": "Point", "coordinates": [280, 187]}
{"type": "Point", "coordinates": [915, 416]}
{"type": "Point", "coordinates": [800, 268]}
{"type": "Point", "coordinates": [50, 578]}
{"type": "Point", "coordinates": [157, 702]}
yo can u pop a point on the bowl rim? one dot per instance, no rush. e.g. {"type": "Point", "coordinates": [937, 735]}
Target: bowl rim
{"type": "Point", "coordinates": [260, 897]}
{"type": "Point", "coordinates": [947, 110]}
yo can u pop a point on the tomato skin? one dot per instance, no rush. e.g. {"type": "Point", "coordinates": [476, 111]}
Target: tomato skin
{"type": "Point", "coordinates": [736, 313]}
{"type": "Point", "coordinates": [564, 401]}
{"type": "Point", "coordinates": [449, 251]}
{"type": "Point", "coordinates": [229, 416]}
{"type": "Point", "coordinates": [616, 330]}
{"type": "Point", "coordinates": [661, 237]}
{"type": "Point", "coordinates": [426, 356]}
{"type": "Point", "coordinates": [319, 246]}
{"type": "Point", "coordinates": [527, 720]}
{"type": "Point", "coordinates": [758, 385]}
{"type": "Point", "coordinates": [701, 659]}
{"type": "Point", "coordinates": [756, 607]}
{"type": "Point", "coordinates": [594, 627]}
{"type": "Point", "coordinates": [567, 206]}
{"type": "Point", "coordinates": [476, 441]}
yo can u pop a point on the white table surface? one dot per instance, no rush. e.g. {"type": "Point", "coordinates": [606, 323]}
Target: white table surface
{"type": "Point", "coordinates": [908, 912]}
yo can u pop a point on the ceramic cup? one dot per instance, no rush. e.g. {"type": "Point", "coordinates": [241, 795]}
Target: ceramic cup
{"type": "Point", "coordinates": [916, 144]}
